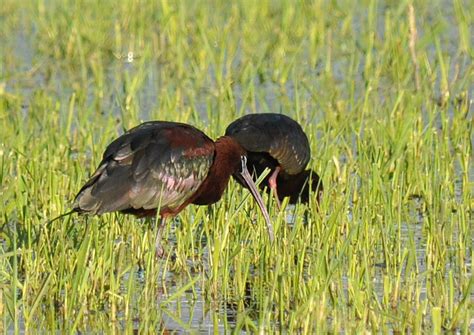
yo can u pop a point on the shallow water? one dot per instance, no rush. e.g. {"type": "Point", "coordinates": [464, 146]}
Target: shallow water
{"type": "Point", "coordinates": [192, 310]}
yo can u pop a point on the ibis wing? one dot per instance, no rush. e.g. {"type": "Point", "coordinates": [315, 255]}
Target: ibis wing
{"type": "Point", "coordinates": [157, 164]}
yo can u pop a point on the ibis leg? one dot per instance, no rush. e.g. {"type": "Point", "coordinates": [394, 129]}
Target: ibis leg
{"type": "Point", "coordinates": [272, 182]}
{"type": "Point", "coordinates": [158, 247]}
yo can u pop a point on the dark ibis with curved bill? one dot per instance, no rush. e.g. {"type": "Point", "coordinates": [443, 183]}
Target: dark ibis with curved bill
{"type": "Point", "coordinates": [277, 142]}
{"type": "Point", "coordinates": [162, 167]}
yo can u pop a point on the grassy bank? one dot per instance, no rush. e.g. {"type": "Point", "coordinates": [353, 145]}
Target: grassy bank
{"type": "Point", "coordinates": [384, 97]}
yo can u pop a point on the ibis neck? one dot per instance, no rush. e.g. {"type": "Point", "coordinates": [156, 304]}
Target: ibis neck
{"type": "Point", "coordinates": [226, 163]}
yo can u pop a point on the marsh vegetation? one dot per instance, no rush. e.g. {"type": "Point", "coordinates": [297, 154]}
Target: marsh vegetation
{"type": "Point", "coordinates": [382, 88]}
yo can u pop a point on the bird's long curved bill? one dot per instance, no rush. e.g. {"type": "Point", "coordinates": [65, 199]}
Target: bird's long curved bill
{"type": "Point", "coordinates": [258, 198]}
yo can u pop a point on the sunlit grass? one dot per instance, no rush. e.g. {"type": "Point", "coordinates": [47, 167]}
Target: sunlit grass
{"type": "Point", "coordinates": [389, 248]}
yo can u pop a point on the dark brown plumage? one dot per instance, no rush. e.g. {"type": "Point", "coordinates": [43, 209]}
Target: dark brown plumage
{"type": "Point", "coordinates": [164, 166]}
{"type": "Point", "coordinates": [277, 142]}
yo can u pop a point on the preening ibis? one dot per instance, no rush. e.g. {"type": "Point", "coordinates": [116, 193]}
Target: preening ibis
{"type": "Point", "coordinates": [164, 166]}
{"type": "Point", "coordinates": [277, 142]}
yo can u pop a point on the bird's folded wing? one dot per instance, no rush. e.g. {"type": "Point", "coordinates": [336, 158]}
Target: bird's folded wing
{"type": "Point", "coordinates": [151, 166]}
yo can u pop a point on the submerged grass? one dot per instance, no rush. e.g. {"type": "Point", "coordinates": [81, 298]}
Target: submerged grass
{"type": "Point", "coordinates": [389, 249]}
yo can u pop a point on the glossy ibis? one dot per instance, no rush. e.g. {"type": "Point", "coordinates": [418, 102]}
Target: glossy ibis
{"type": "Point", "coordinates": [277, 142]}
{"type": "Point", "coordinates": [164, 166]}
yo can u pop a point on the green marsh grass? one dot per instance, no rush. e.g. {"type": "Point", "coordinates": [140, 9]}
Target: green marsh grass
{"type": "Point", "coordinates": [389, 248]}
